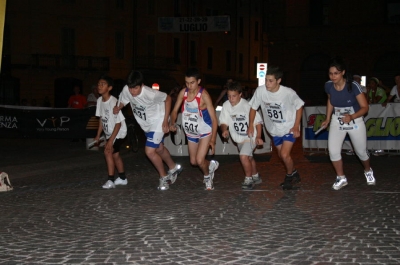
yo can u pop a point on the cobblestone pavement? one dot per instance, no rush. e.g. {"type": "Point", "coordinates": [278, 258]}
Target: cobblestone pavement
{"type": "Point", "coordinates": [59, 214]}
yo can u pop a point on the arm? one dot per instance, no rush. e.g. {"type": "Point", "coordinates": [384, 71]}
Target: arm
{"type": "Point", "coordinates": [364, 107]}
{"type": "Point", "coordinates": [252, 115]}
{"type": "Point", "coordinates": [329, 109]}
{"type": "Point", "coordinates": [221, 95]}
{"type": "Point", "coordinates": [99, 130]}
{"type": "Point", "coordinates": [296, 128]}
{"type": "Point", "coordinates": [224, 129]}
{"type": "Point", "coordinates": [206, 99]}
{"type": "Point", "coordinates": [259, 141]}
{"type": "Point", "coordinates": [166, 114]}
{"type": "Point", "coordinates": [174, 112]}
{"type": "Point", "coordinates": [110, 141]}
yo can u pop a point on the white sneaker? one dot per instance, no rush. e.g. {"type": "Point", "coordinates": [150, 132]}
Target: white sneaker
{"type": "Point", "coordinates": [369, 175]}
{"type": "Point", "coordinates": [120, 181]}
{"type": "Point", "coordinates": [212, 168]}
{"type": "Point", "coordinates": [339, 183]}
{"type": "Point", "coordinates": [173, 173]}
{"type": "Point", "coordinates": [163, 183]}
{"type": "Point", "coordinates": [109, 185]}
{"type": "Point", "coordinates": [209, 183]}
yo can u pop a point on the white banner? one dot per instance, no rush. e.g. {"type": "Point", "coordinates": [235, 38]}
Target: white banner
{"type": "Point", "coordinates": [177, 143]}
{"type": "Point", "coordinates": [194, 24]}
{"type": "Point", "coordinates": [382, 124]}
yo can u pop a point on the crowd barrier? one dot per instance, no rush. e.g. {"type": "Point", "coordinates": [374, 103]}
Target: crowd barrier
{"type": "Point", "coordinates": [177, 142]}
{"type": "Point", "coordinates": [38, 122]}
{"type": "Point", "coordinates": [382, 124]}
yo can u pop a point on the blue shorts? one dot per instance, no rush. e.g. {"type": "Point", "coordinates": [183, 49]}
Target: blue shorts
{"type": "Point", "coordinates": [153, 139]}
{"type": "Point", "coordinates": [197, 139]}
{"type": "Point", "coordinates": [278, 140]}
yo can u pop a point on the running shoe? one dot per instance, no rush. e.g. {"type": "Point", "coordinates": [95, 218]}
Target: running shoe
{"type": "Point", "coordinates": [173, 173]}
{"type": "Point", "coordinates": [120, 181]}
{"type": "Point", "coordinates": [339, 183]}
{"type": "Point", "coordinates": [256, 179]}
{"type": "Point", "coordinates": [369, 175]}
{"type": "Point", "coordinates": [248, 183]}
{"type": "Point", "coordinates": [209, 183]}
{"type": "Point", "coordinates": [109, 185]}
{"type": "Point", "coordinates": [212, 168]}
{"type": "Point", "coordinates": [163, 183]}
{"type": "Point", "coordinates": [291, 179]}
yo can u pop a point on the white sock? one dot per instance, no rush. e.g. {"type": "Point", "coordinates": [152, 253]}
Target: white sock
{"type": "Point", "coordinates": [255, 175]}
{"type": "Point", "coordinates": [207, 177]}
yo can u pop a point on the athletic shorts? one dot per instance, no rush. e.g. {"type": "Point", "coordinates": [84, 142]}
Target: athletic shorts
{"type": "Point", "coordinates": [197, 139]}
{"type": "Point", "coordinates": [278, 140]}
{"type": "Point", "coordinates": [117, 145]}
{"type": "Point", "coordinates": [153, 139]}
{"type": "Point", "coordinates": [245, 148]}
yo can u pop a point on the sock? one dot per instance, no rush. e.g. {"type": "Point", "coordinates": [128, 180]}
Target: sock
{"type": "Point", "coordinates": [122, 175]}
{"type": "Point", "coordinates": [342, 177]}
{"type": "Point", "coordinates": [207, 177]}
{"type": "Point", "coordinates": [111, 178]}
{"type": "Point", "coordinates": [255, 175]}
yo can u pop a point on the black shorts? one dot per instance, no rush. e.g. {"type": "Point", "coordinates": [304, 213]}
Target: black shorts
{"type": "Point", "coordinates": [117, 145]}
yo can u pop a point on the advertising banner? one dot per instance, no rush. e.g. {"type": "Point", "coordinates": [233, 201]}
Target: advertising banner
{"type": "Point", "coordinates": [36, 122]}
{"type": "Point", "coordinates": [177, 142]}
{"type": "Point", "coordinates": [382, 124]}
{"type": "Point", "coordinates": [194, 24]}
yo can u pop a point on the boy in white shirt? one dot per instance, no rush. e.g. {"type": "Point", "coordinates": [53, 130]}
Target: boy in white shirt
{"type": "Point", "coordinates": [114, 128]}
{"type": "Point", "coordinates": [282, 110]}
{"type": "Point", "coordinates": [151, 109]}
{"type": "Point", "coordinates": [235, 117]}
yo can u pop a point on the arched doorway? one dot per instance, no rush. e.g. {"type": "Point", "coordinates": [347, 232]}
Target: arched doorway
{"type": "Point", "coordinates": [63, 89]}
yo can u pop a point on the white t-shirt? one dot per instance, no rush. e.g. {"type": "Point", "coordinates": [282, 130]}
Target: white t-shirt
{"type": "Point", "coordinates": [279, 108]}
{"type": "Point", "coordinates": [104, 110]}
{"type": "Point", "coordinates": [395, 92]}
{"type": "Point", "coordinates": [237, 119]}
{"type": "Point", "coordinates": [148, 107]}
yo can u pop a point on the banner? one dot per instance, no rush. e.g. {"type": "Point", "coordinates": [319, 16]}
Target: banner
{"type": "Point", "coordinates": [36, 122]}
{"type": "Point", "coordinates": [382, 124]}
{"type": "Point", "coordinates": [177, 143]}
{"type": "Point", "coordinates": [194, 24]}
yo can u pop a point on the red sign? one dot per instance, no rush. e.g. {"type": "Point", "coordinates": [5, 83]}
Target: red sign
{"type": "Point", "coordinates": [155, 86]}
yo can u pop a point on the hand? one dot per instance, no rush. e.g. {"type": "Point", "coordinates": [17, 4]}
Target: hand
{"type": "Point", "coordinates": [225, 134]}
{"type": "Point", "coordinates": [172, 128]}
{"type": "Point", "coordinates": [295, 131]}
{"type": "Point", "coordinates": [116, 110]}
{"type": "Point", "coordinates": [325, 123]}
{"type": "Point", "coordinates": [212, 146]}
{"type": "Point", "coordinates": [165, 127]}
{"type": "Point", "coordinates": [347, 118]}
{"type": "Point", "coordinates": [250, 131]}
{"type": "Point", "coordinates": [259, 141]}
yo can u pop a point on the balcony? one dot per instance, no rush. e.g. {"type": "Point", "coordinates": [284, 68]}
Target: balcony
{"type": "Point", "coordinates": [69, 62]}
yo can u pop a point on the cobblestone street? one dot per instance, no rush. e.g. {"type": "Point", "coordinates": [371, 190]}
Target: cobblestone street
{"type": "Point", "coordinates": [59, 214]}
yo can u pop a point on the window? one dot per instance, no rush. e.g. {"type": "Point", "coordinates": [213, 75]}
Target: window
{"type": "Point", "coordinates": [256, 30]}
{"type": "Point", "coordinates": [209, 58]}
{"type": "Point", "coordinates": [228, 61]}
{"type": "Point", "coordinates": [151, 9]}
{"type": "Point", "coordinates": [119, 45]}
{"type": "Point", "coordinates": [393, 11]}
{"type": "Point", "coordinates": [193, 53]}
{"type": "Point", "coordinates": [177, 50]}
{"type": "Point", "coordinates": [240, 63]}
{"type": "Point", "coordinates": [319, 11]}
{"type": "Point", "coordinates": [68, 41]}
{"type": "Point", "coordinates": [120, 4]}
{"type": "Point", "coordinates": [241, 27]}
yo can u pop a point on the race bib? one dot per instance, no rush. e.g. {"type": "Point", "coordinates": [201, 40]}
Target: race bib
{"type": "Point", "coordinates": [275, 112]}
{"type": "Point", "coordinates": [139, 111]}
{"type": "Point", "coordinates": [240, 124]}
{"type": "Point", "coordinates": [339, 114]}
{"type": "Point", "coordinates": [190, 123]}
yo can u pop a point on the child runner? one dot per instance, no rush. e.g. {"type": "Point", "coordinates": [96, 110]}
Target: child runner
{"type": "Point", "coordinates": [345, 109]}
{"type": "Point", "coordinates": [235, 117]}
{"type": "Point", "coordinates": [151, 108]}
{"type": "Point", "coordinates": [114, 128]}
{"type": "Point", "coordinates": [199, 122]}
{"type": "Point", "coordinates": [282, 110]}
